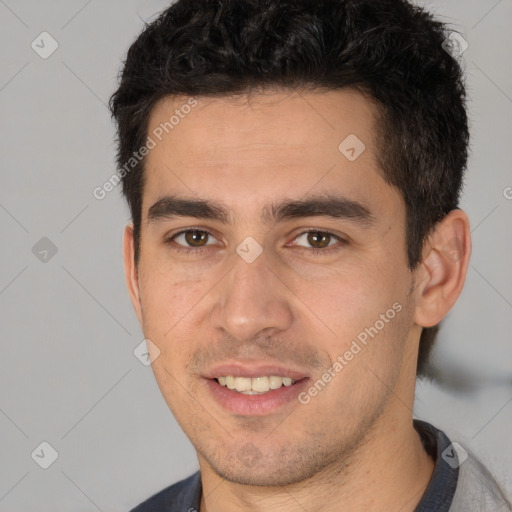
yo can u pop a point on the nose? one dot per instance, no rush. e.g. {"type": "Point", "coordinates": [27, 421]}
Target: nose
{"type": "Point", "coordinates": [252, 299]}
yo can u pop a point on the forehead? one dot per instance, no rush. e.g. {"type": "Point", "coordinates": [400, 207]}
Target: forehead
{"type": "Point", "coordinates": [305, 120]}
{"type": "Point", "coordinates": [243, 148]}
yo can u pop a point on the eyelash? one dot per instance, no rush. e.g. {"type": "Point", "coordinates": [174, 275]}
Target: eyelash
{"type": "Point", "coordinates": [200, 250]}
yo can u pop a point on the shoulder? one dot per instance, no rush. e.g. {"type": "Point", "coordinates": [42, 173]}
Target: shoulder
{"type": "Point", "coordinates": [460, 482]}
{"type": "Point", "coordinates": [183, 496]}
{"type": "Point", "coordinates": [477, 489]}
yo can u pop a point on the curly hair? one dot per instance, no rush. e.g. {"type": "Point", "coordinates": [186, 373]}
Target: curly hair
{"type": "Point", "coordinates": [390, 50]}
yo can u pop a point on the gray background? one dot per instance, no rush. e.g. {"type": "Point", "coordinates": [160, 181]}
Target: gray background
{"type": "Point", "coordinates": [68, 373]}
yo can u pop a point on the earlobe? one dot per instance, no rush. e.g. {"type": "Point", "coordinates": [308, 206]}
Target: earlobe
{"type": "Point", "coordinates": [442, 272]}
{"type": "Point", "coordinates": [131, 271]}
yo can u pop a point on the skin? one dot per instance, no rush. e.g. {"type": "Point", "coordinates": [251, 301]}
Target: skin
{"type": "Point", "coordinates": [353, 446]}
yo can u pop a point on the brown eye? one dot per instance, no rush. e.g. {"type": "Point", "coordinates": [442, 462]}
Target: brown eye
{"type": "Point", "coordinates": [319, 243]}
{"type": "Point", "coordinates": [318, 239]}
{"type": "Point", "coordinates": [196, 238]}
{"type": "Point", "coordinates": [193, 238]}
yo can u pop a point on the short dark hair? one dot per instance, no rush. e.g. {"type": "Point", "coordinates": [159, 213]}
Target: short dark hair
{"type": "Point", "coordinates": [391, 50]}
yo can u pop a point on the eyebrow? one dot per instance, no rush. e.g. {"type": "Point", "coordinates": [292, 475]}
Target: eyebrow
{"type": "Point", "coordinates": [326, 205]}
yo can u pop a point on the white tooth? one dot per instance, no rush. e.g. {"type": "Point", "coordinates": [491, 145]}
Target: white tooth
{"type": "Point", "coordinates": [242, 383]}
{"type": "Point", "coordinates": [260, 384]}
{"type": "Point", "coordinates": [256, 385]}
{"type": "Point", "coordinates": [230, 382]}
{"type": "Point", "coordinates": [275, 382]}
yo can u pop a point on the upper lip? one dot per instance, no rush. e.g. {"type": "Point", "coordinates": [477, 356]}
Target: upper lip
{"type": "Point", "coordinates": [253, 369]}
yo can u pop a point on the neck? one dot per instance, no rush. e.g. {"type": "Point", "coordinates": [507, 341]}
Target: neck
{"type": "Point", "coordinates": [389, 470]}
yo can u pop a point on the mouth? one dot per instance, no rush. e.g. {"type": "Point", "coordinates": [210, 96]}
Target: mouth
{"type": "Point", "coordinates": [254, 391]}
{"type": "Point", "coordinates": [254, 385]}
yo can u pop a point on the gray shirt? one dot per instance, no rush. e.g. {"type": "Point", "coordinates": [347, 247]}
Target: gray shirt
{"type": "Point", "coordinates": [459, 483]}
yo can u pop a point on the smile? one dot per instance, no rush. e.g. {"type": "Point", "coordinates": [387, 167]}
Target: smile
{"type": "Point", "coordinates": [255, 385]}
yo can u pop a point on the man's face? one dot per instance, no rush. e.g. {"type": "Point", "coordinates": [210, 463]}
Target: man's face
{"type": "Point", "coordinates": [269, 290]}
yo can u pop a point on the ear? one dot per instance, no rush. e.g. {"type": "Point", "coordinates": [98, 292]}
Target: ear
{"type": "Point", "coordinates": [131, 271]}
{"type": "Point", "coordinates": [442, 272]}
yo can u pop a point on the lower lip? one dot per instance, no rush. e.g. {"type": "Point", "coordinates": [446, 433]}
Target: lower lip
{"type": "Point", "coordinates": [255, 405]}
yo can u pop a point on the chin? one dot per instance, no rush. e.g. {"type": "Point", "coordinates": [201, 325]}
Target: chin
{"type": "Point", "coordinates": [280, 469]}
{"type": "Point", "coordinates": [276, 476]}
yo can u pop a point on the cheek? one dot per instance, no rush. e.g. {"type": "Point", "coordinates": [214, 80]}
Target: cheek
{"type": "Point", "coordinates": [167, 306]}
{"type": "Point", "coordinates": [365, 315]}
{"type": "Point", "coordinates": [352, 298]}
{"type": "Point", "coordinates": [366, 363]}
